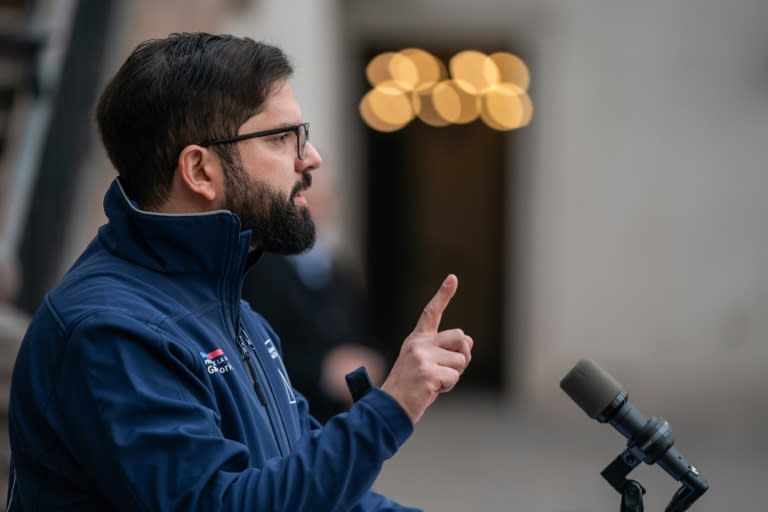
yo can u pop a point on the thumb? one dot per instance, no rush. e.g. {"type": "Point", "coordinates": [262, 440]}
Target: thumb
{"type": "Point", "coordinates": [429, 321]}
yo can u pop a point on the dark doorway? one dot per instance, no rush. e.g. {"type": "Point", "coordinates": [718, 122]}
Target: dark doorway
{"type": "Point", "coordinates": [436, 205]}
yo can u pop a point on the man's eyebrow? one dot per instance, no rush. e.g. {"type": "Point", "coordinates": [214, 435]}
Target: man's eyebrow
{"type": "Point", "coordinates": [282, 126]}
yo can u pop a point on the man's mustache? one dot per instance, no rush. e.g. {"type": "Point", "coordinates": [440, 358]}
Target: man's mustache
{"type": "Point", "coordinates": [303, 184]}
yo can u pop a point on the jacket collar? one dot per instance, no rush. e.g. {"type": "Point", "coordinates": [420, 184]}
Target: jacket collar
{"type": "Point", "coordinates": [209, 242]}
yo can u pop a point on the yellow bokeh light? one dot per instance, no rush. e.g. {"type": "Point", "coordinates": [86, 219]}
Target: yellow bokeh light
{"type": "Point", "coordinates": [391, 103]}
{"type": "Point", "coordinates": [412, 69]}
{"type": "Point", "coordinates": [474, 72]}
{"type": "Point", "coordinates": [429, 68]}
{"type": "Point", "coordinates": [506, 107]}
{"type": "Point", "coordinates": [388, 105]}
{"type": "Point", "coordinates": [372, 120]}
{"type": "Point", "coordinates": [512, 69]}
{"type": "Point", "coordinates": [403, 70]}
{"type": "Point", "coordinates": [454, 104]}
{"type": "Point", "coordinates": [424, 106]}
{"type": "Point", "coordinates": [378, 70]}
{"type": "Point", "coordinates": [527, 102]}
{"type": "Point", "coordinates": [413, 83]}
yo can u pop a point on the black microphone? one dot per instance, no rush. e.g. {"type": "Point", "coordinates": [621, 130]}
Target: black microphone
{"type": "Point", "coordinates": [650, 441]}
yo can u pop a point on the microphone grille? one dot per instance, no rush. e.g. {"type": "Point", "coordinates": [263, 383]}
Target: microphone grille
{"type": "Point", "coordinates": [590, 387]}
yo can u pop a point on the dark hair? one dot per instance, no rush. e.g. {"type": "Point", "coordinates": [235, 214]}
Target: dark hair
{"type": "Point", "coordinates": [181, 90]}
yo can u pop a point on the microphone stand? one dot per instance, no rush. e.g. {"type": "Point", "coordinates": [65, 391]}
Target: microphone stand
{"type": "Point", "coordinates": [631, 491]}
{"type": "Point", "coordinates": [653, 444]}
{"type": "Point", "coordinates": [632, 497]}
{"type": "Point", "coordinates": [649, 441]}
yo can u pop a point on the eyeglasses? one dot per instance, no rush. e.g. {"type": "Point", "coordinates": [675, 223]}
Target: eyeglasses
{"type": "Point", "coordinates": [301, 131]}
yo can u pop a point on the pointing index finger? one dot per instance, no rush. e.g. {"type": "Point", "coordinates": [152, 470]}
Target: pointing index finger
{"type": "Point", "coordinates": [429, 321]}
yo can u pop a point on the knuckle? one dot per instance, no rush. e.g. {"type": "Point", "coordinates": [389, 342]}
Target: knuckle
{"type": "Point", "coordinates": [424, 368]}
{"type": "Point", "coordinates": [424, 372]}
{"type": "Point", "coordinates": [452, 378]}
{"type": "Point", "coordinates": [412, 344]}
{"type": "Point", "coordinates": [417, 350]}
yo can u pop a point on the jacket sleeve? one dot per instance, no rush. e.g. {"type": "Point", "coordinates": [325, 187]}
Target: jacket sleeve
{"type": "Point", "coordinates": [144, 424]}
{"type": "Point", "coordinates": [371, 501]}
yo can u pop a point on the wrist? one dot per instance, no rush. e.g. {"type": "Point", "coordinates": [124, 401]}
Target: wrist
{"type": "Point", "coordinates": [393, 393]}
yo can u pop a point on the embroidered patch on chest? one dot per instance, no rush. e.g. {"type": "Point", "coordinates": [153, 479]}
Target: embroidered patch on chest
{"type": "Point", "coordinates": [273, 353]}
{"type": "Point", "coordinates": [216, 361]}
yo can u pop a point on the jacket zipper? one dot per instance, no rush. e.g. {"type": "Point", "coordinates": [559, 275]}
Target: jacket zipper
{"type": "Point", "coordinates": [245, 354]}
{"type": "Point", "coordinates": [246, 357]}
{"type": "Point", "coordinates": [273, 400]}
{"type": "Point", "coordinates": [247, 350]}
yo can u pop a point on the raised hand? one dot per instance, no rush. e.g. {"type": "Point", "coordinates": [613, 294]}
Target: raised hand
{"type": "Point", "coordinates": [430, 362]}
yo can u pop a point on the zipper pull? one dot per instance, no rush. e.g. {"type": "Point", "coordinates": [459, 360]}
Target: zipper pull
{"type": "Point", "coordinates": [247, 339]}
{"type": "Point", "coordinates": [241, 348]}
{"type": "Point", "coordinates": [259, 392]}
{"type": "Point", "coordinates": [247, 361]}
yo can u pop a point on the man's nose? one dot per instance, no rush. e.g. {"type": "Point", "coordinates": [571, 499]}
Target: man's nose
{"type": "Point", "coordinates": [312, 159]}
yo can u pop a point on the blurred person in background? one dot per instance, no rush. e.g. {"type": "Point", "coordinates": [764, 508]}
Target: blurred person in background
{"type": "Point", "coordinates": [334, 336]}
{"type": "Point", "coordinates": [144, 382]}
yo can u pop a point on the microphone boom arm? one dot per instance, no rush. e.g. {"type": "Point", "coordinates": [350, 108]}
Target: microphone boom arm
{"type": "Point", "coordinates": [652, 444]}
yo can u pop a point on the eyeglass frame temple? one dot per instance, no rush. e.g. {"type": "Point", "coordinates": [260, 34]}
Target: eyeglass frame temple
{"type": "Point", "coordinates": [266, 133]}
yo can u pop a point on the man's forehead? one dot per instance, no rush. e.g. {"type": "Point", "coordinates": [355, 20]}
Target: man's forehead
{"type": "Point", "coordinates": [280, 109]}
{"type": "Point", "coordinates": [282, 101]}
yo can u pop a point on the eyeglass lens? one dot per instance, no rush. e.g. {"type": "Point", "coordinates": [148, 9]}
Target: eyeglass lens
{"type": "Point", "coordinates": [303, 137]}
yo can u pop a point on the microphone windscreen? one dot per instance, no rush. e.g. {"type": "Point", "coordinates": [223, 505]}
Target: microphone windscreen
{"type": "Point", "coordinates": [590, 387]}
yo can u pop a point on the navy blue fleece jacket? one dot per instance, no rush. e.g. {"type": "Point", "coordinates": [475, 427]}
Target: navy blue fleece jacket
{"type": "Point", "coordinates": [146, 383]}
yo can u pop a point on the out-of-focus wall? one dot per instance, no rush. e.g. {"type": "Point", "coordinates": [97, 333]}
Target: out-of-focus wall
{"type": "Point", "coordinates": [646, 246]}
{"type": "Point", "coordinates": [639, 199]}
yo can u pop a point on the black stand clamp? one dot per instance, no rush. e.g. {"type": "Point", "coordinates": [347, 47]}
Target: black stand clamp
{"type": "Point", "coordinates": [631, 491]}
{"type": "Point", "coordinates": [653, 444]}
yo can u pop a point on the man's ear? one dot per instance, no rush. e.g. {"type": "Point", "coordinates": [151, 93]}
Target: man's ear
{"type": "Point", "coordinates": [199, 171]}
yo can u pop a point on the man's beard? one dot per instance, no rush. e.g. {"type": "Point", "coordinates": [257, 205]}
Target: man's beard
{"type": "Point", "coordinates": [276, 223]}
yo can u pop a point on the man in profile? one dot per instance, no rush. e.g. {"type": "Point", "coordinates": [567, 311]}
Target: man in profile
{"type": "Point", "coordinates": [144, 382]}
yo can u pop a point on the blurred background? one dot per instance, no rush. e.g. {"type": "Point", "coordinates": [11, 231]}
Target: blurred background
{"type": "Point", "coordinates": [625, 223]}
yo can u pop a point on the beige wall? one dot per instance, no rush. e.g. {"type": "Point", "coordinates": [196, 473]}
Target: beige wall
{"type": "Point", "coordinates": [639, 205]}
{"type": "Point", "coordinates": [646, 249]}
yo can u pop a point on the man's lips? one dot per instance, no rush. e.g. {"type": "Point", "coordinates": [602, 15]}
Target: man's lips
{"type": "Point", "coordinates": [304, 184]}
{"type": "Point", "coordinates": [299, 199]}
